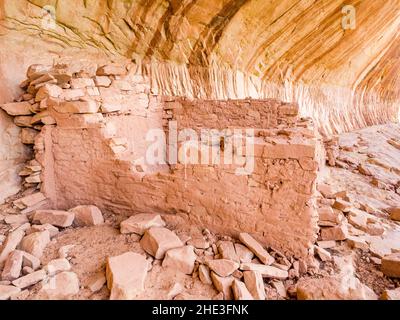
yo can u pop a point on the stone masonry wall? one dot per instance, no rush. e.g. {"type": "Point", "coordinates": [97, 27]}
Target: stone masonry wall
{"type": "Point", "coordinates": [89, 135]}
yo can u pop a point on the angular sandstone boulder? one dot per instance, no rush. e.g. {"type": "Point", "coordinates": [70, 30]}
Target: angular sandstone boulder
{"type": "Point", "coordinates": [62, 286]}
{"type": "Point", "coordinates": [227, 251]}
{"type": "Point", "coordinates": [394, 213]}
{"type": "Point", "coordinates": [87, 216]}
{"type": "Point", "coordinates": [181, 259]}
{"type": "Point", "coordinates": [139, 223]}
{"type": "Point", "coordinates": [244, 254]}
{"type": "Point", "coordinates": [223, 284]}
{"type": "Point", "coordinates": [54, 217]}
{"type": "Point", "coordinates": [6, 292]}
{"type": "Point", "coordinates": [30, 279]}
{"type": "Point", "coordinates": [265, 271]}
{"type": "Point", "coordinates": [204, 274]}
{"type": "Point", "coordinates": [57, 265]}
{"type": "Point", "coordinates": [256, 248]}
{"type": "Point", "coordinates": [391, 294]}
{"type": "Point", "coordinates": [157, 241]}
{"type": "Point", "coordinates": [223, 267]}
{"type": "Point", "coordinates": [255, 284]}
{"type": "Point", "coordinates": [240, 291]}
{"type": "Point", "coordinates": [13, 266]}
{"type": "Point", "coordinates": [331, 288]}
{"type": "Point", "coordinates": [10, 244]}
{"type": "Point", "coordinates": [126, 275]}
{"type": "Point", "coordinates": [391, 265]}
{"type": "Point", "coordinates": [35, 243]}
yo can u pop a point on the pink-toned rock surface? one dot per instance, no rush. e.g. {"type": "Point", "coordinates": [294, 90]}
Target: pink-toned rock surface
{"type": "Point", "coordinates": [123, 180]}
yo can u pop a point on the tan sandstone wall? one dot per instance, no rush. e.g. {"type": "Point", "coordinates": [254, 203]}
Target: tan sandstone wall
{"type": "Point", "coordinates": [90, 137]}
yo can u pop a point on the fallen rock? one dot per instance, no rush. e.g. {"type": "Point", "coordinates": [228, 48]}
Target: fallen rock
{"type": "Point", "coordinates": [57, 265]}
{"type": "Point", "coordinates": [223, 267]}
{"type": "Point", "coordinates": [63, 252]}
{"type": "Point", "coordinates": [327, 244]}
{"type": "Point", "coordinates": [265, 271]}
{"type": "Point", "coordinates": [30, 260]}
{"type": "Point", "coordinates": [54, 217]}
{"type": "Point", "coordinates": [391, 265]}
{"type": "Point", "coordinates": [126, 275]}
{"type": "Point", "coordinates": [53, 231]}
{"type": "Point", "coordinates": [12, 241]}
{"type": "Point", "coordinates": [227, 251]}
{"type": "Point", "coordinates": [326, 190]}
{"type": "Point", "coordinates": [280, 288]}
{"type": "Point", "coordinates": [199, 243]}
{"type": "Point", "coordinates": [391, 294]}
{"type": "Point", "coordinates": [97, 282]}
{"type": "Point", "coordinates": [30, 279]}
{"type": "Point", "coordinates": [175, 290]}
{"type": "Point", "coordinates": [139, 223]}
{"type": "Point", "coordinates": [240, 291]}
{"type": "Point", "coordinates": [331, 288]}
{"type": "Point", "coordinates": [35, 243]}
{"type": "Point", "coordinates": [30, 200]}
{"type": "Point", "coordinates": [342, 205]}
{"type": "Point", "coordinates": [7, 291]}
{"type": "Point", "coordinates": [255, 283]}
{"type": "Point", "coordinates": [181, 259]}
{"type": "Point", "coordinates": [323, 254]}
{"type": "Point", "coordinates": [328, 217]}
{"type": "Point", "coordinates": [335, 233]}
{"type": "Point", "coordinates": [204, 274]}
{"type": "Point", "coordinates": [223, 284]}
{"type": "Point", "coordinates": [157, 241]}
{"type": "Point", "coordinates": [62, 286]}
{"type": "Point", "coordinates": [256, 248]}
{"type": "Point", "coordinates": [87, 216]}
{"type": "Point", "coordinates": [394, 213]}
{"type": "Point", "coordinates": [243, 253]}
{"type": "Point", "coordinates": [13, 266]}
{"type": "Point", "coordinates": [16, 219]}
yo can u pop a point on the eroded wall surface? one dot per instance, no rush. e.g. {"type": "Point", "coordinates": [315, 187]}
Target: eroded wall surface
{"type": "Point", "coordinates": [94, 140]}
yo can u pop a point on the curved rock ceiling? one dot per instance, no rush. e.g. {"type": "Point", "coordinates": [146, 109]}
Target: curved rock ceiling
{"type": "Point", "coordinates": [293, 49]}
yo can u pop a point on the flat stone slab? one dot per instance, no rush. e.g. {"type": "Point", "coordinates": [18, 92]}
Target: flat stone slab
{"type": "Point", "coordinates": [181, 259]}
{"type": "Point", "coordinates": [86, 216]}
{"type": "Point", "coordinates": [126, 275]}
{"type": "Point", "coordinates": [265, 271]}
{"type": "Point", "coordinates": [240, 291]}
{"type": "Point", "coordinates": [61, 287]}
{"type": "Point", "coordinates": [391, 265]}
{"type": "Point", "coordinates": [256, 248]}
{"type": "Point", "coordinates": [30, 279]}
{"type": "Point", "coordinates": [139, 223]}
{"type": "Point", "coordinates": [255, 284]}
{"type": "Point", "coordinates": [56, 218]}
{"type": "Point", "coordinates": [6, 292]}
{"type": "Point", "coordinates": [35, 243]}
{"type": "Point", "coordinates": [223, 267]}
{"type": "Point", "coordinates": [157, 241]}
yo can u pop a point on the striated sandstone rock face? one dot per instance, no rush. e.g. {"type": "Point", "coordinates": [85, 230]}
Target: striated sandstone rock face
{"type": "Point", "coordinates": [291, 50]}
